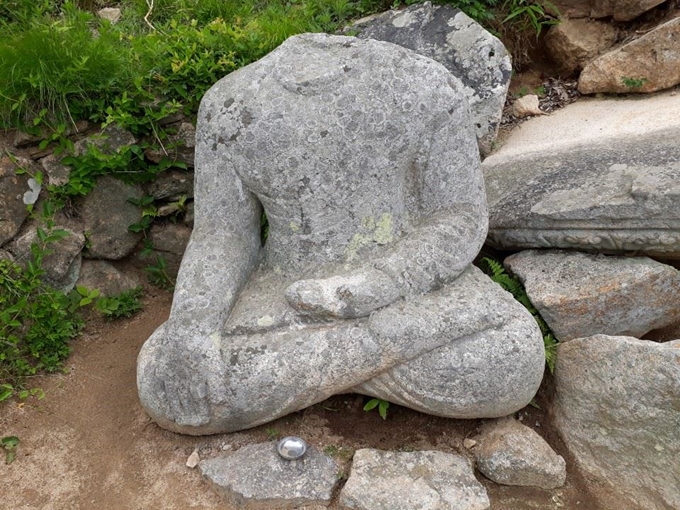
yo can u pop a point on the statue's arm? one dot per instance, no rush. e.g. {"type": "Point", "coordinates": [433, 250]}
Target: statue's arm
{"type": "Point", "coordinates": [435, 251]}
{"type": "Point", "coordinates": [225, 242]}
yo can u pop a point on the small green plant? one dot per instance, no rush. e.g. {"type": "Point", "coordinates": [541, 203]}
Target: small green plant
{"type": "Point", "coordinates": [633, 83]}
{"type": "Point", "coordinates": [498, 274]}
{"type": "Point", "coordinates": [123, 305]}
{"type": "Point", "coordinates": [36, 321]}
{"type": "Point", "coordinates": [343, 453]}
{"type": "Point", "coordinates": [158, 274]}
{"type": "Point", "coordinates": [528, 15]}
{"type": "Point", "coordinates": [382, 405]}
{"type": "Point", "coordinates": [272, 434]}
{"type": "Point", "coordinates": [9, 444]}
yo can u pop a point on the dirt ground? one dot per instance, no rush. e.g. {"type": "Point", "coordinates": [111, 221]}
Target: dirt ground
{"type": "Point", "coordinates": [89, 445]}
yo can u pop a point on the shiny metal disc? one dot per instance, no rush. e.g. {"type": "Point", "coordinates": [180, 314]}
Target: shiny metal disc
{"type": "Point", "coordinates": [291, 448]}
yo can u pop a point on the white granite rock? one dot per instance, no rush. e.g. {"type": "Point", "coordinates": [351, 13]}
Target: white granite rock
{"type": "Point", "coordinates": [412, 481]}
{"type": "Point", "coordinates": [581, 295]}
{"type": "Point", "coordinates": [256, 477]}
{"type": "Point", "coordinates": [616, 408]}
{"type": "Point", "coordinates": [511, 453]}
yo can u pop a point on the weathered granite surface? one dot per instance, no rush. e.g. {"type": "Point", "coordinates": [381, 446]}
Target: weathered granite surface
{"type": "Point", "coordinates": [373, 214]}
{"type": "Point", "coordinates": [581, 295]}
{"type": "Point", "coordinates": [616, 408]}
{"type": "Point", "coordinates": [511, 453]}
{"type": "Point", "coordinates": [574, 42]}
{"type": "Point", "coordinates": [647, 64]}
{"type": "Point", "coordinates": [462, 45]}
{"type": "Point", "coordinates": [255, 477]}
{"type": "Point", "coordinates": [412, 480]}
{"type": "Point", "coordinates": [601, 174]}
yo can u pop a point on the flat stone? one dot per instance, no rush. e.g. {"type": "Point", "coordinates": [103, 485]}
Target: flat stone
{"type": "Point", "coordinates": [622, 10]}
{"type": "Point", "coordinates": [574, 42]}
{"type": "Point", "coordinates": [169, 240]}
{"type": "Point", "coordinates": [12, 189]}
{"type": "Point", "coordinates": [600, 174]}
{"type": "Point", "coordinates": [511, 453]}
{"type": "Point", "coordinates": [172, 185]}
{"type": "Point", "coordinates": [526, 106]}
{"type": "Point", "coordinates": [463, 46]}
{"type": "Point", "coordinates": [647, 64]}
{"type": "Point", "coordinates": [616, 408]}
{"type": "Point", "coordinates": [256, 477]}
{"type": "Point", "coordinates": [581, 295]}
{"type": "Point", "coordinates": [110, 13]}
{"type": "Point", "coordinates": [102, 275]}
{"type": "Point", "coordinates": [107, 214]}
{"type": "Point", "coordinates": [179, 147]}
{"type": "Point", "coordinates": [412, 481]}
{"type": "Point", "coordinates": [58, 265]}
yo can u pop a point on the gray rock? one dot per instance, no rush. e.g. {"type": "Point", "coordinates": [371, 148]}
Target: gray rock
{"type": "Point", "coordinates": [600, 174]}
{"type": "Point", "coordinates": [172, 185]}
{"type": "Point", "coordinates": [106, 215]}
{"type": "Point", "coordinates": [647, 64]}
{"type": "Point", "coordinates": [581, 295]}
{"type": "Point", "coordinates": [5, 255]}
{"type": "Point", "coordinates": [178, 148]}
{"type": "Point", "coordinates": [169, 240]}
{"type": "Point", "coordinates": [526, 106]}
{"type": "Point", "coordinates": [622, 10]}
{"type": "Point", "coordinates": [373, 213]}
{"type": "Point", "coordinates": [12, 188]}
{"type": "Point", "coordinates": [616, 408]}
{"type": "Point", "coordinates": [62, 265]}
{"type": "Point", "coordinates": [189, 215]}
{"type": "Point", "coordinates": [511, 453]}
{"type": "Point", "coordinates": [256, 477]}
{"type": "Point", "coordinates": [102, 275]}
{"type": "Point", "coordinates": [412, 480]}
{"type": "Point", "coordinates": [463, 46]}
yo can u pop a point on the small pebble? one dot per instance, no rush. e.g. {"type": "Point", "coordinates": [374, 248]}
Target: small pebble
{"type": "Point", "coordinates": [469, 443]}
{"type": "Point", "coordinates": [193, 459]}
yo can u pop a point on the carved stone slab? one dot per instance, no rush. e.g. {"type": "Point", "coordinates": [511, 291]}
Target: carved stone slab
{"type": "Point", "coordinates": [599, 175]}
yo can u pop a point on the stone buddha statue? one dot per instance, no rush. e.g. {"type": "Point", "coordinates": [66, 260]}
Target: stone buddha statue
{"type": "Point", "coordinates": [363, 157]}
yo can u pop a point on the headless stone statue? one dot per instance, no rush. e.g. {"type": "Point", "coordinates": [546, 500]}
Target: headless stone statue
{"type": "Point", "coordinates": [365, 161]}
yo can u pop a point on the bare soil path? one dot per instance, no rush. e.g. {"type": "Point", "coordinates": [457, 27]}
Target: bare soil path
{"type": "Point", "coordinates": [88, 445]}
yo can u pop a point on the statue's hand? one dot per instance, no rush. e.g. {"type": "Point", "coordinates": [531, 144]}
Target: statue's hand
{"type": "Point", "coordinates": [356, 294]}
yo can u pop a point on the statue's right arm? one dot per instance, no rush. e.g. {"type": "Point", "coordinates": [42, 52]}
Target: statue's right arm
{"type": "Point", "coordinates": [225, 242]}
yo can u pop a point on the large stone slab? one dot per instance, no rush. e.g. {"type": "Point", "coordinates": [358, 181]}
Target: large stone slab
{"type": "Point", "coordinates": [600, 174]}
{"type": "Point", "coordinates": [581, 295]}
{"type": "Point", "coordinates": [463, 46]}
{"type": "Point", "coordinates": [647, 64]}
{"type": "Point", "coordinates": [616, 408]}
{"type": "Point", "coordinates": [255, 477]}
{"type": "Point", "coordinates": [511, 453]}
{"type": "Point", "coordinates": [412, 481]}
